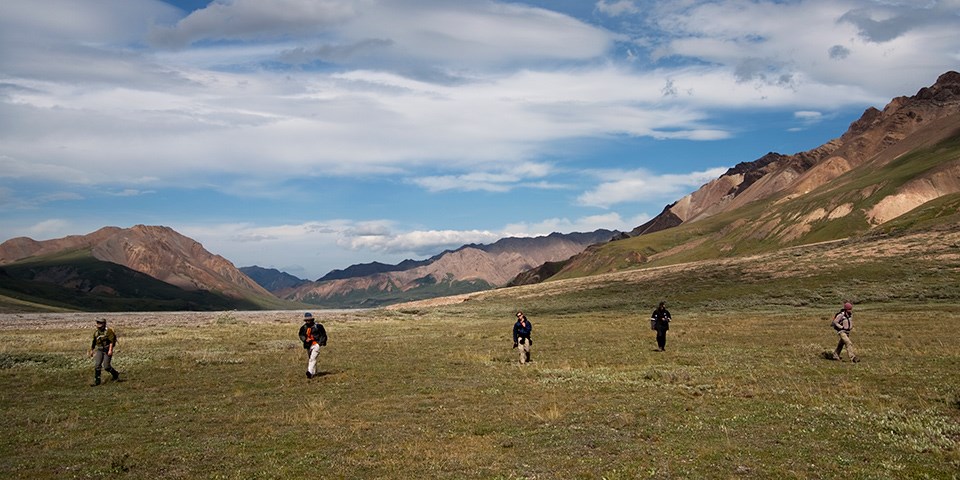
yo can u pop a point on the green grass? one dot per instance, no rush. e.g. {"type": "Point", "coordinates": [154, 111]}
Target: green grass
{"type": "Point", "coordinates": [743, 391]}
{"type": "Point", "coordinates": [437, 394]}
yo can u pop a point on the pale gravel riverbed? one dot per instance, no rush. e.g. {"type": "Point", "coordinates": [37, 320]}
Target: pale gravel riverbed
{"type": "Point", "coordinates": [86, 319]}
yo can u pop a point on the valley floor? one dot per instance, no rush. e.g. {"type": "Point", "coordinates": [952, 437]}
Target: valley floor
{"type": "Point", "coordinates": [437, 393]}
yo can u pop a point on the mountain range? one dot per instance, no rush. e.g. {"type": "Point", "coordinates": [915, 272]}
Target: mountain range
{"type": "Point", "coordinates": [893, 169]}
{"type": "Point", "coordinates": [469, 268]}
{"type": "Point", "coordinates": [887, 164]}
{"type": "Point", "coordinates": [138, 268]}
{"type": "Point", "coordinates": [156, 268]}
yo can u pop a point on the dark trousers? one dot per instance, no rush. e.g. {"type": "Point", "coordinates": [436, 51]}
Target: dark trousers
{"type": "Point", "coordinates": [661, 338]}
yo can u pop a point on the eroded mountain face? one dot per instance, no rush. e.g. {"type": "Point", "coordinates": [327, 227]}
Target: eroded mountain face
{"type": "Point", "coordinates": [876, 138]}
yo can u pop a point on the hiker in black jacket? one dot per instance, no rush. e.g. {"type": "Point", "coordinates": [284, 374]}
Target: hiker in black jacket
{"type": "Point", "coordinates": [313, 337]}
{"type": "Point", "coordinates": [661, 323]}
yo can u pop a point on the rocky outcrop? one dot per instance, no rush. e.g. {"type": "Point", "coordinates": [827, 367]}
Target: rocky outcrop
{"type": "Point", "coordinates": [666, 219]}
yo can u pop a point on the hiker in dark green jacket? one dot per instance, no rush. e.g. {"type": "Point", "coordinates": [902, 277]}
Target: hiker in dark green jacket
{"type": "Point", "coordinates": [101, 349]}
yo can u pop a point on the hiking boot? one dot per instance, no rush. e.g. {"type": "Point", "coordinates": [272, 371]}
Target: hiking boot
{"type": "Point", "coordinates": [855, 359]}
{"type": "Point", "coordinates": [309, 375]}
{"type": "Point", "coordinates": [96, 381]}
{"type": "Point", "coordinates": [115, 374]}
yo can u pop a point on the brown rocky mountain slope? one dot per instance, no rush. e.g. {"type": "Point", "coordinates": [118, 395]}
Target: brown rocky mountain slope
{"type": "Point", "coordinates": [469, 268]}
{"type": "Point", "coordinates": [878, 137]}
{"type": "Point", "coordinates": [888, 163]}
{"type": "Point", "coordinates": [157, 251]}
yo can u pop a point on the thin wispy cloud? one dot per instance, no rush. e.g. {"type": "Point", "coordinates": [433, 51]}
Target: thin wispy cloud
{"type": "Point", "coordinates": [46, 227]}
{"type": "Point", "coordinates": [616, 8]}
{"type": "Point", "coordinates": [523, 175]}
{"type": "Point", "coordinates": [807, 119]}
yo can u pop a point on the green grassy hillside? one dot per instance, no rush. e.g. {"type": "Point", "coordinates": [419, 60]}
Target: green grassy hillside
{"type": "Point", "coordinates": [776, 223]}
{"type": "Point", "coordinates": [77, 281]}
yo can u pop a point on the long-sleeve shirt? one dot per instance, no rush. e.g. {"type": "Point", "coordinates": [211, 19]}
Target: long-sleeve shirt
{"type": "Point", "coordinates": [311, 334]}
{"type": "Point", "coordinates": [843, 322]}
{"type": "Point", "coordinates": [661, 315]}
{"type": "Point", "coordinates": [522, 329]}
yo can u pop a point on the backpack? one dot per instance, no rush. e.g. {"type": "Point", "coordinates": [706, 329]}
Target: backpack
{"type": "Point", "coordinates": [834, 317]}
{"type": "Point", "coordinates": [322, 340]}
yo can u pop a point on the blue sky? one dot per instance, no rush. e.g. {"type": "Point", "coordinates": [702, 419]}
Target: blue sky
{"type": "Point", "coordinates": [308, 135]}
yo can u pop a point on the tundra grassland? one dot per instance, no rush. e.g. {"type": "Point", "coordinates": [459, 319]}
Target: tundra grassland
{"type": "Point", "coordinates": [439, 394]}
{"type": "Point", "coordinates": [744, 390]}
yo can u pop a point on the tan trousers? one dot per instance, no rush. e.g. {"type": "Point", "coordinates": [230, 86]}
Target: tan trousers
{"type": "Point", "coordinates": [523, 346]}
{"type": "Point", "coordinates": [844, 342]}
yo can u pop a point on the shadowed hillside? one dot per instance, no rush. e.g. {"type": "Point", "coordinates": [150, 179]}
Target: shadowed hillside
{"type": "Point", "coordinates": [140, 268]}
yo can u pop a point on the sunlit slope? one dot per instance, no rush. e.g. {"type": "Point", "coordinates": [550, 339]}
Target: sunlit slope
{"type": "Point", "coordinates": [867, 198]}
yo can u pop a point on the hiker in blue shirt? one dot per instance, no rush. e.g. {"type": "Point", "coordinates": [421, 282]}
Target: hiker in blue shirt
{"type": "Point", "coordinates": [521, 337]}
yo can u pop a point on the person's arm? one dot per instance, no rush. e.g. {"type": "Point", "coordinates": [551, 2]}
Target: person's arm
{"type": "Point", "coordinates": [112, 338]}
{"type": "Point", "coordinates": [321, 335]}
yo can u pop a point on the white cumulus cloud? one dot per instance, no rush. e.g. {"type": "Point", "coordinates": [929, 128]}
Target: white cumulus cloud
{"type": "Point", "coordinates": [639, 185]}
